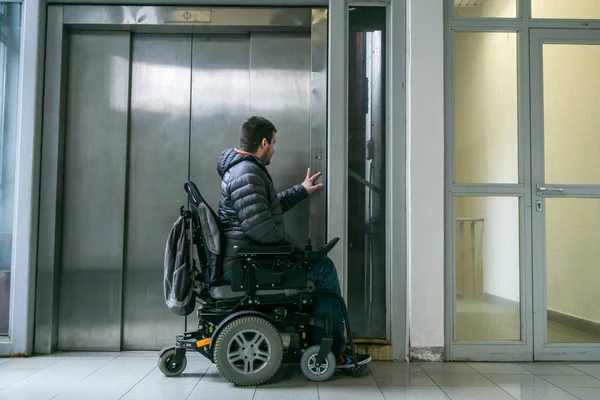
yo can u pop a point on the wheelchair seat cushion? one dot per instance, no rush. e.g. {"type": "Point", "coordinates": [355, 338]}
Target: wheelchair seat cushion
{"type": "Point", "coordinates": [224, 291]}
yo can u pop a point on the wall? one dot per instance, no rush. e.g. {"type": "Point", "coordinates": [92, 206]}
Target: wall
{"type": "Point", "coordinates": [589, 9]}
{"type": "Point", "coordinates": [425, 135]}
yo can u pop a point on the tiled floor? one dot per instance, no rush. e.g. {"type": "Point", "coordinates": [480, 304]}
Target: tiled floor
{"type": "Point", "coordinates": [106, 376]}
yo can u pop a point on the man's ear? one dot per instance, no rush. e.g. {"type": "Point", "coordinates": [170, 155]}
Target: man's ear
{"type": "Point", "coordinates": [264, 143]}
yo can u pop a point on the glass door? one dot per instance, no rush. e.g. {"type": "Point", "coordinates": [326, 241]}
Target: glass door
{"type": "Point", "coordinates": [565, 101]}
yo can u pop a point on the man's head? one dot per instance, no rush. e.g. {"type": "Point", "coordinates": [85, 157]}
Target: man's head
{"type": "Point", "coordinates": [258, 137]}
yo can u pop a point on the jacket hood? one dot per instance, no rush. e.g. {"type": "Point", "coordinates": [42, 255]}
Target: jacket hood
{"type": "Point", "coordinates": [231, 157]}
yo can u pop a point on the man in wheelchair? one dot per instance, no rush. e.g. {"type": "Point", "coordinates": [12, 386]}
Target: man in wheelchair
{"type": "Point", "coordinates": [264, 299]}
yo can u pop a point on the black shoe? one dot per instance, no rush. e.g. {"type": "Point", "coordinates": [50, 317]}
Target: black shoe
{"type": "Point", "coordinates": [345, 360]}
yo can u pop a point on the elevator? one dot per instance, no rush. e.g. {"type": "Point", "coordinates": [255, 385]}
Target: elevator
{"type": "Point", "coordinates": [137, 101]}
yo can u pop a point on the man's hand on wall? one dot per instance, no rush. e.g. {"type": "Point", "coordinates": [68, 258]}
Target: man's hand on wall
{"type": "Point", "coordinates": [309, 182]}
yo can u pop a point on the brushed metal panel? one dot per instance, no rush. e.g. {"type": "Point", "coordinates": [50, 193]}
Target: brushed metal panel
{"type": "Point", "coordinates": [48, 275]}
{"type": "Point", "coordinates": [158, 167]}
{"type": "Point", "coordinates": [280, 90]}
{"type": "Point", "coordinates": [299, 18]}
{"type": "Point", "coordinates": [94, 192]}
{"type": "Point", "coordinates": [318, 124]}
{"type": "Point", "coordinates": [220, 104]}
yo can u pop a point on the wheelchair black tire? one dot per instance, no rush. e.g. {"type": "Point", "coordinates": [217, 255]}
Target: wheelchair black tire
{"type": "Point", "coordinates": [230, 331]}
{"type": "Point", "coordinates": [325, 372]}
{"type": "Point", "coordinates": [166, 367]}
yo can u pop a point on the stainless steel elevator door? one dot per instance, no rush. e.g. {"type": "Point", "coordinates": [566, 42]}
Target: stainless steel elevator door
{"type": "Point", "coordinates": [145, 113]}
{"type": "Point", "coordinates": [93, 200]}
{"type": "Point", "coordinates": [234, 77]}
{"type": "Point", "coordinates": [158, 165]}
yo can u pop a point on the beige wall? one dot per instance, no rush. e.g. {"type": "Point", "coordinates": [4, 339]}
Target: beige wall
{"type": "Point", "coordinates": [489, 9]}
{"type": "Point", "coordinates": [565, 9]}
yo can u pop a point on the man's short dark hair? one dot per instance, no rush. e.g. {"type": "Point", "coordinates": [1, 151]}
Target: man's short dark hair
{"type": "Point", "coordinates": [254, 130]}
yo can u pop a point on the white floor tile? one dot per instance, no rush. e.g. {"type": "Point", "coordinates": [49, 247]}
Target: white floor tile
{"type": "Point", "coordinates": [405, 379]}
{"type": "Point", "coordinates": [339, 392]}
{"type": "Point", "coordinates": [387, 367]}
{"type": "Point", "coordinates": [585, 393]}
{"type": "Point", "coordinates": [538, 393]}
{"type": "Point", "coordinates": [128, 375]}
{"type": "Point", "coordinates": [499, 368]}
{"type": "Point", "coordinates": [517, 380]}
{"type": "Point", "coordinates": [414, 393]}
{"type": "Point", "coordinates": [573, 380]}
{"type": "Point", "coordinates": [551, 369]}
{"type": "Point", "coordinates": [10, 376]}
{"type": "Point", "coordinates": [220, 390]}
{"type": "Point", "coordinates": [476, 393]}
{"type": "Point", "coordinates": [30, 362]}
{"type": "Point", "coordinates": [447, 368]}
{"type": "Point", "coordinates": [460, 380]}
{"type": "Point", "coordinates": [591, 369]}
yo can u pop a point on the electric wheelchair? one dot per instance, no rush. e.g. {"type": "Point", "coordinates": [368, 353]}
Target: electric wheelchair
{"type": "Point", "coordinates": [262, 318]}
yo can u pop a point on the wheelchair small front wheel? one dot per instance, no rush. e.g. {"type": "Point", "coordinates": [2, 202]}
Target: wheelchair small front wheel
{"type": "Point", "coordinates": [317, 372]}
{"type": "Point", "coordinates": [168, 367]}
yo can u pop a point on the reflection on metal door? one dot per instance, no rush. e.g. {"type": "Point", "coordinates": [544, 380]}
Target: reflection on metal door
{"type": "Point", "coordinates": [145, 113]}
{"type": "Point", "coordinates": [566, 191]}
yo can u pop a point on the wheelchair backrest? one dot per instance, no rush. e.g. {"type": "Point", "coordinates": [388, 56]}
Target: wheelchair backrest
{"type": "Point", "coordinates": [209, 241]}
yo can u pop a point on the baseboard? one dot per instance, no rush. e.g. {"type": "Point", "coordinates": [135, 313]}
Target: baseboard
{"type": "Point", "coordinates": [430, 354]}
{"type": "Point", "coordinates": [555, 316]}
{"type": "Point", "coordinates": [492, 298]}
{"type": "Point", "coordinates": [575, 322]}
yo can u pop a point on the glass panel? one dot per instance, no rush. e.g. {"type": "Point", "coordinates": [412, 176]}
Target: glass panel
{"type": "Point", "coordinates": [486, 117]}
{"type": "Point", "coordinates": [571, 117]}
{"type": "Point", "coordinates": [487, 283]}
{"type": "Point", "coordinates": [573, 270]}
{"type": "Point", "coordinates": [565, 9]}
{"type": "Point", "coordinates": [366, 172]}
{"type": "Point", "coordinates": [486, 8]}
{"type": "Point", "coordinates": [10, 19]}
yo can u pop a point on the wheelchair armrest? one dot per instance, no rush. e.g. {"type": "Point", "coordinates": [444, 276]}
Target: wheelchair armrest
{"type": "Point", "coordinates": [247, 250]}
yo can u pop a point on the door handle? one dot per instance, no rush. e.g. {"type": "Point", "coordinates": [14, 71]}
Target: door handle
{"type": "Point", "coordinates": [541, 189]}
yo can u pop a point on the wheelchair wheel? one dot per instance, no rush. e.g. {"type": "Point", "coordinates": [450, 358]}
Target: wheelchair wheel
{"type": "Point", "coordinates": [248, 351]}
{"type": "Point", "coordinates": [168, 367]}
{"type": "Point", "coordinates": [314, 372]}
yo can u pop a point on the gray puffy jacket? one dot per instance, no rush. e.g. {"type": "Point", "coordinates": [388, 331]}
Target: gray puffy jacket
{"type": "Point", "coordinates": [251, 210]}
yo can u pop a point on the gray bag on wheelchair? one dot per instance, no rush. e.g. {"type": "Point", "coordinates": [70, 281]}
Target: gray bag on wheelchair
{"type": "Point", "coordinates": [179, 293]}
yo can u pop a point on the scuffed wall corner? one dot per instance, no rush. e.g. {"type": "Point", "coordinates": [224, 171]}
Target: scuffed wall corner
{"type": "Point", "coordinates": [430, 354]}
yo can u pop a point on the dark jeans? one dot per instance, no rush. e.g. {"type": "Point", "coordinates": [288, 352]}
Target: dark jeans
{"type": "Point", "coordinates": [325, 277]}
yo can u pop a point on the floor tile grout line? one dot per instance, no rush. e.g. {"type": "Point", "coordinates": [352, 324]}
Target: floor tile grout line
{"type": "Point", "coordinates": [36, 372]}
{"type": "Point", "coordinates": [378, 386]}
{"type": "Point", "coordinates": [555, 385]}
{"type": "Point", "coordinates": [436, 384]}
{"type": "Point", "coordinates": [200, 380]}
{"type": "Point", "coordinates": [67, 388]}
{"type": "Point", "coordinates": [585, 373]}
{"type": "Point", "coordinates": [138, 382]}
{"type": "Point", "coordinates": [476, 373]}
